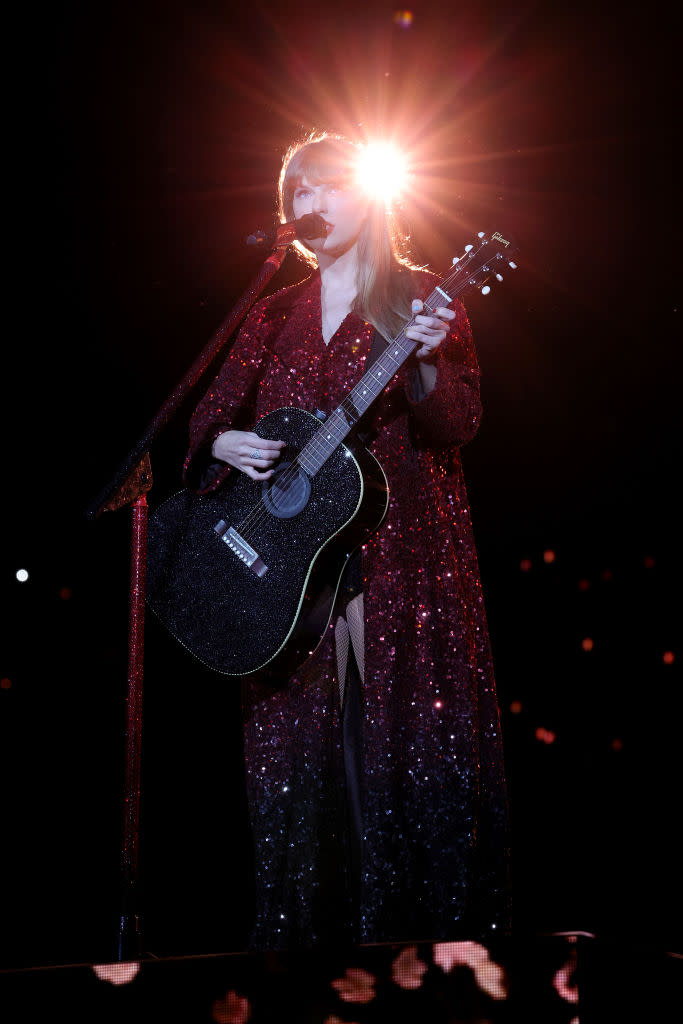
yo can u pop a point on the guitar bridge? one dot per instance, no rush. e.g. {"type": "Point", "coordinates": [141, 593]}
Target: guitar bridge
{"type": "Point", "coordinates": [239, 546]}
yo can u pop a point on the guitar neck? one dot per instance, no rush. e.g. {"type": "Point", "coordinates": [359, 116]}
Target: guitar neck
{"type": "Point", "coordinates": [472, 269]}
{"type": "Point", "coordinates": [338, 424]}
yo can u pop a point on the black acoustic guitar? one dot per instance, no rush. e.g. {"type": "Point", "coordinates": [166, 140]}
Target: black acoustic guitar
{"type": "Point", "coordinates": [246, 578]}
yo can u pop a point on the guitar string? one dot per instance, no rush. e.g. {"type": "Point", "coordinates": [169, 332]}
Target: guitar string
{"type": "Point", "coordinates": [315, 451]}
{"type": "Point", "coordinates": [260, 513]}
{"type": "Point", "coordinates": [287, 478]}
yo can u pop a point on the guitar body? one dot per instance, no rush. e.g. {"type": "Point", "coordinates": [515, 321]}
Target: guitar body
{"type": "Point", "coordinates": [246, 578]}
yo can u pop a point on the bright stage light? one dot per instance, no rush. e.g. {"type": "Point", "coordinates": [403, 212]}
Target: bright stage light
{"type": "Point", "coordinates": [382, 171]}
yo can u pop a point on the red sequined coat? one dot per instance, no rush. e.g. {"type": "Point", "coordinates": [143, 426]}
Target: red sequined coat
{"type": "Point", "coordinates": [434, 805]}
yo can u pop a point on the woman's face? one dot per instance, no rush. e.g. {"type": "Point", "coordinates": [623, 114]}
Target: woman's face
{"type": "Point", "coordinates": [343, 207]}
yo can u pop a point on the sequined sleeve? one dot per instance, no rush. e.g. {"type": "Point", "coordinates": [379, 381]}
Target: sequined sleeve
{"type": "Point", "coordinates": [227, 405]}
{"type": "Point", "coordinates": [450, 414]}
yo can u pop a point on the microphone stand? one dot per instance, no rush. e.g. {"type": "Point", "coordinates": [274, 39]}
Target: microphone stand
{"type": "Point", "coordinates": [129, 486]}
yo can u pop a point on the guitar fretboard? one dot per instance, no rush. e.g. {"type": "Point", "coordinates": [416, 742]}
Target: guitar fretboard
{"type": "Point", "coordinates": [373, 382]}
{"type": "Point", "coordinates": [468, 271]}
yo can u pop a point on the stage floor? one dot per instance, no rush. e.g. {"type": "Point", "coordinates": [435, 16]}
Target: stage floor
{"type": "Point", "coordinates": [546, 979]}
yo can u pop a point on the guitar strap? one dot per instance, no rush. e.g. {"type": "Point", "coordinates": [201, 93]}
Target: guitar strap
{"type": "Point", "coordinates": [349, 625]}
{"type": "Point", "coordinates": [393, 400]}
{"type": "Point", "coordinates": [378, 345]}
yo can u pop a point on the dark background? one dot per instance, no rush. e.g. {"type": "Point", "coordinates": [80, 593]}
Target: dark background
{"type": "Point", "coordinates": [143, 142]}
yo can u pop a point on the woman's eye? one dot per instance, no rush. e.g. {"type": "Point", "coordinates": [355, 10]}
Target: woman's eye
{"type": "Point", "coordinates": [301, 193]}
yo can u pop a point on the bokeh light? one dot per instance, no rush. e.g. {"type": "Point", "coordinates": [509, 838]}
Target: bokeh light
{"type": "Point", "coordinates": [22, 575]}
{"type": "Point", "coordinates": [357, 986]}
{"type": "Point", "coordinates": [407, 970]}
{"type": "Point", "coordinates": [489, 975]}
{"type": "Point", "coordinates": [232, 1009]}
{"type": "Point", "coordinates": [404, 19]}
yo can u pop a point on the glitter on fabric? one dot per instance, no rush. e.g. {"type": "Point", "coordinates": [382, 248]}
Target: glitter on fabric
{"type": "Point", "coordinates": [434, 858]}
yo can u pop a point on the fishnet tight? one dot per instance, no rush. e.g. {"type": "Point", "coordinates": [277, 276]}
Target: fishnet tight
{"type": "Point", "coordinates": [349, 629]}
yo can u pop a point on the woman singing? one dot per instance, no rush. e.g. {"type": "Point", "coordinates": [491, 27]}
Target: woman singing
{"type": "Point", "coordinates": [375, 776]}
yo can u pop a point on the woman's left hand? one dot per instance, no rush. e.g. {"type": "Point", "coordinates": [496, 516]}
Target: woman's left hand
{"type": "Point", "coordinates": [429, 330]}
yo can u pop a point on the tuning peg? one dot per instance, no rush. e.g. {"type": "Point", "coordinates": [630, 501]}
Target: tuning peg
{"type": "Point", "coordinates": [513, 265]}
{"type": "Point", "coordinates": [456, 259]}
{"type": "Point", "coordinates": [480, 235]}
{"type": "Point", "coordinates": [468, 247]}
{"type": "Point", "coordinates": [499, 277]}
{"type": "Point", "coordinates": [485, 290]}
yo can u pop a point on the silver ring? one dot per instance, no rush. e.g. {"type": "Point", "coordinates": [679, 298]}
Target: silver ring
{"type": "Point", "coordinates": [256, 454]}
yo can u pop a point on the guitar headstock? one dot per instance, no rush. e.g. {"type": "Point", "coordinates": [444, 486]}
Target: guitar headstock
{"type": "Point", "coordinates": [481, 262]}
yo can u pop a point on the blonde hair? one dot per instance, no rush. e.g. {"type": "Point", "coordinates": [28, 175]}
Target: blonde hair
{"type": "Point", "coordinates": [385, 271]}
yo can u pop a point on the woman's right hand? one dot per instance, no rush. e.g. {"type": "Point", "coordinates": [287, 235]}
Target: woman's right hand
{"type": "Point", "coordinates": [247, 452]}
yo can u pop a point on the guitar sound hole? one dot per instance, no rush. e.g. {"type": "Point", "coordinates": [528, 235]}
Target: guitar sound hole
{"type": "Point", "coordinates": [287, 492]}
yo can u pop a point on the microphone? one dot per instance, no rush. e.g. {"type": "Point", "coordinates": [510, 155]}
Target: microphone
{"type": "Point", "coordinates": [309, 226]}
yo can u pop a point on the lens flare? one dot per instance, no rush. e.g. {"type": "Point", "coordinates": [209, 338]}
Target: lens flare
{"type": "Point", "coordinates": [382, 171]}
